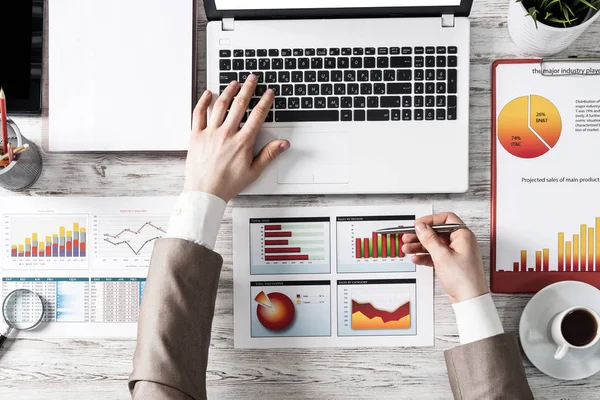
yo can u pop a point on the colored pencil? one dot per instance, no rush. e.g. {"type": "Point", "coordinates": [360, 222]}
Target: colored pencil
{"type": "Point", "coordinates": [4, 121]}
{"type": "Point", "coordinates": [18, 150]}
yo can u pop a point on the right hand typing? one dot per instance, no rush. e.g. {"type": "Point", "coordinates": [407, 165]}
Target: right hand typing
{"type": "Point", "coordinates": [455, 257]}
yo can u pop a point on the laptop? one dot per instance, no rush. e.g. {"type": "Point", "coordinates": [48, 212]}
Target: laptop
{"type": "Point", "coordinates": [374, 96]}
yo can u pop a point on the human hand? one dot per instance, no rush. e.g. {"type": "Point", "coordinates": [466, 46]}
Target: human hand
{"type": "Point", "coordinates": [455, 256]}
{"type": "Point", "coordinates": [221, 158]}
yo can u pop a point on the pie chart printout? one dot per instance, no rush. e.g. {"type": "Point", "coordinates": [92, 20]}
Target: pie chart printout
{"type": "Point", "coordinates": [275, 310]}
{"type": "Point", "coordinates": [529, 126]}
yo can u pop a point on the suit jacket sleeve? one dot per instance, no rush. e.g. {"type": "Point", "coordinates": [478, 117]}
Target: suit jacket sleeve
{"type": "Point", "coordinates": [488, 369]}
{"type": "Point", "coordinates": [175, 322]}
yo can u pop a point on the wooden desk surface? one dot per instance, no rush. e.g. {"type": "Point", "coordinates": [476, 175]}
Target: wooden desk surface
{"type": "Point", "coordinates": [98, 369]}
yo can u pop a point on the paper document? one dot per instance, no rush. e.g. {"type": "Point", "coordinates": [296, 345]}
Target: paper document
{"type": "Point", "coordinates": [87, 257]}
{"type": "Point", "coordinates": [546, 176]}
{"type": "Point", "coordinates": [321, 277]}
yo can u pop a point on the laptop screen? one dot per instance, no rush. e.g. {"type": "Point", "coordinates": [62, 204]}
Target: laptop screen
{"type": "Point", "coordinates": [279, 5]}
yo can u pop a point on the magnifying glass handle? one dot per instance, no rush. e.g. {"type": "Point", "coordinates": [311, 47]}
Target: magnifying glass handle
{"type": "Point", "coordinates": [4, 336]}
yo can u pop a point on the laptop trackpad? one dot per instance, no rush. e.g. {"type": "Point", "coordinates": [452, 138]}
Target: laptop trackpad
{"type": "Point", "coordinates": [315, 158]}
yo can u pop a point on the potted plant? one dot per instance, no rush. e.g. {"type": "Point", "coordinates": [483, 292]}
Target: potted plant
{"type": "Point", "coordinates": [546, 27]}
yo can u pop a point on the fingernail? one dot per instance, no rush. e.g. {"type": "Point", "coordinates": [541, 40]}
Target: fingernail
{"type": "Point", "coordinates": [251, 77]}
{"type": "Point", "coordinates": [284, 146]}
{"type": "Point", "coordinates": [270, 92]}
{"type": "Point", "coordinates": [420, 227]}
{"type": "Point", "coordinates": [206, 92]}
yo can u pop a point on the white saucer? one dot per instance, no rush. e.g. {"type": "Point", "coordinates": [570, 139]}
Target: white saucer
{"type": "Point", "coordinates": [535, 336]}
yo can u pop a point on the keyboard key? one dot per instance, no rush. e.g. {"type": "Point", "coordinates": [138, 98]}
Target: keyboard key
{"type": "Point", "coordinates": [357, 51]}
{"type": "Point", "coordinates": [313, 90]}
{"type": "Point", "coordinates": [452, 81]}
{"type": "Point", "coordinates": [320, 102]}
{"type": "Point", "coordinates": [429, 50]}
{"type": "Point", "coordinates": [293, 102]}
{"type": "Point", "coordinates": [369, 62]}
{"type": "Point", "coordinates": [419, 62]}
{"type": "Point", "coordinates": [379, 88]}
{"type": "Point", "coordinates": [419, 50]}
{"type": "Point", "coordinates": [298, 52]}
{"type": "Point", "coordinates": [297, 76]}
{"type": "Point", "coordinates": [238, 53]}
{"type": "Point", "coordinates": [452, 50]}
{"type": "Point", "coordinates": [276, 89]}
{"type": "Point", "coordinates": [327, 89]}
{"type": "Point", "coordinates": [440, 88]}
{"type": "Point", "coordinates": [333, 102]}
{"type": "Point", "coordinates": [253, 102]}
{"type": "Point", "coordinates": [430, 75]}
{"type": "Point", "coordinates": [280, 103]}
{"type": "Point", "coordinates": [419, 74]}
{"type": "Point", "coordinates": [429, 61]}
{"type": "Point", "coordinates": [399, 88]}
{"type": "Point", "coordinates": [303, 63]}
{"type": "Point", "coordinates": [382, 50]}
{"type": "Point", "coordinates": [261, 52]}
{"type": "Point", "coordinates": [376, 75]}
{"type": "Point", "coordinates": [430, 87]}
{"type": "Point", "coordinates": [323, 76]}
{"type": "Point", "coordinates": [307, 116]}
{"type": "Point", "coordinates": [452, 62]}
{"type": "Point", "coordinates": [334, 52]}
{"type": "Point", "coordinates": [273, 52]}
{"type": "Point", "coordinates": [277, 63]}
{"type": "Point", "coordinates": [224, 53]}
{"type": "Point", "coordinates": [284, 76]}
{"type": "Point", "coordinates": [269, 117]}
{"type": "Point", "coordinates": [452, 101]}
{"type": "Point", "coordinates": [226, 77]}
{"type": "Point", "coordinates": [300, 90]}
{"type": "Point", "coordinates": [404, 75]}
{"type": "Point", "coordinates": [383, 62]}
{"type": "Point", "coordinates": [353, 88]}
{"type": "Point", "coordinates": [419, 101]}
{"type": "Point", "coordinates": [441, 50]}
{"type": "Point", "coordinates": [389, 75]}
{"type": "Point", "coordinates": [250, 53]}
{"type": "Point", "coordinates": [307, 102]}
{"type": "Point", "coordinates": [418, 115]}
{"type": "Point", "coordinates": [343, 62]}
{"type": "Point", "coordinates": [238, 64]}
{"type": "Point", "coordinates": [360, 102]}
{"type": "Point", "coordinates": [366, 88]}
{"type": "Point", "coordinates": [390, 101]}
{"type": "Point", "coordinates": [394, 50]}
{"type": "Point", "coordinates": [346, 115]}
{"type": "Point", "coordinates": [290, 63]}
{"type": "Point", "coordinates": [251, 63]}
{"type": "Point", "coordinates": [429, 114]}
{"type": "Point", "coordinates": [316, 63]}
{"type": "Point", "coordinates": [440, 114]}
{"type": "Point", "coordinates": [310, 76]}
{"type": "Point", "coordinates": [270, 77]}
{"type": "Point", "coordinates": [286, 52]}
{"type": "Point", "coordinates": [395, 115]}
{"type": "Point", "coordinates": [359, 115]}
{"type": "Point", "coordinates": [406, 101]}
{"type": "Point", "coordinates": [337, 76]}
{"type": "Point", "coordinates": [224, 65]}
{"type": "Point", "coordinates": [407, 50]}
{"type": "Point", "coordinates": [440, 101]}
{"type": "Point", "coordinates": [419, 88]}
{"type": "Point", "coordinates": [441, 62]}
{"type": "Point", "coordinates": [222, 89]}
{"type": "Point", "coordinates": [260, 76]}
{"type": "Point", "coordinates": [260, 90]}
{"type": "Point", "coordinates": [451, 113]}
{"type": "Point", "coordinates": [346, 51]}
{"type": "Point", "coordinates": [370, 51]}
{"type": "Point", "coordinates": [356, 62]}
{"type": "Point", "coordinates": [429, 101]}
{"type": "Point", "coordinates": [287, 90]}
{"type": "Point", "coordinates": [264, 63]}
{"type": "Point", "coordinates": [330, 62]}
{"type": "Point", "coordinates": [401, 62]}
{"type": "Point", "coordinates": [406, 115]}
{"type": "Point", "coordinates": [310, 52]}
{"type": "Point", "coordinates": [362, 76]}
{"type": "Point", "coordinates": [346, 102]}
{"type": "Point", "coordinates": [440, 75]}
{"type": "Point", "coordinates": [321, 52]}
{"type": "Point", "coordinates": [339, 89]}
{"type": "Point", "coordinates": [378, 115]}
{"type": "Point", "coordinates": [349, 76]}
{"type": "Point", "coordinates": [372, 102]}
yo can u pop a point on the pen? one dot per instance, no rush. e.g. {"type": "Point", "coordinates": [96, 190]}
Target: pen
{"type": "Point", "coordinates": [4, 121]}
{"type": "Point", "coordinates": [17, 150]}
{"type": "Point", "coordinates": [445, 228]}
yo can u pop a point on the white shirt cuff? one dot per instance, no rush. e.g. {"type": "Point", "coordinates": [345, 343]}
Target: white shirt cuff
{"type": "Point", "coordinates": [477, 319]}
{"type": "Point", "coordinates": [197, 218]}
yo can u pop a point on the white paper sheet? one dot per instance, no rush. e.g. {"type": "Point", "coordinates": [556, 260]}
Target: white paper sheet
{"type": "Point", "coordinates": [89, 290]}
{"type": "Point", "coordinates": [120, 74]}
{"type": "Point", "coordinates": [310, 277]}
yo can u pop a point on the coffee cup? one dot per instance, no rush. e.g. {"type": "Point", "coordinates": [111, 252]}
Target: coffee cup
{"type": "Point", "coordinates": [575, 328]}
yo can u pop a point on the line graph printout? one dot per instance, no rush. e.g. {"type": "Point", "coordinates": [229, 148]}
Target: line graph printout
{"type": "Point", "coordinates": [320, 277]}
{"type": "Point", "coordinates": [87, 257]}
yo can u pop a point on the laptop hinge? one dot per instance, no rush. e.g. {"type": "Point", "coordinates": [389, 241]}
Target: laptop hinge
{"type": "Point", "coordinates": [228, 24]}
{"type": "Point", "coordinates": [447, 21]}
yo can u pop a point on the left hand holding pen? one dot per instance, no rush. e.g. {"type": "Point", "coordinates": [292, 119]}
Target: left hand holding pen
{"type": "Point", "coordinates": [221, 157]}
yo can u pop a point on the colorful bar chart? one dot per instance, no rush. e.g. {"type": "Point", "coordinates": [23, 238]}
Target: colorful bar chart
{"type": "Point", "coordinates": [387, 246]}
{"type": "Point", "coordinates": [67, 243]}
{"type": "Point", "coordinates": [290, 245]}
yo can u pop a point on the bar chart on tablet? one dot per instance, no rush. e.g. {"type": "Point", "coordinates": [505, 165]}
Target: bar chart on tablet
{"type": "Point", "coordinates": [290, 246]}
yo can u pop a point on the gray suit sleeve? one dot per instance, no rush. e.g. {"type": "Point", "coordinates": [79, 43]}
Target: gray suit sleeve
{"type": "Point", "coordinates": [175, 322]}
{"type": "Point", "coordinates": [488, 369]}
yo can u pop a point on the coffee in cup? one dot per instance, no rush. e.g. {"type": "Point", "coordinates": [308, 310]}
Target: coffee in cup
{"type": "Point", "coordinates": [577, 328]}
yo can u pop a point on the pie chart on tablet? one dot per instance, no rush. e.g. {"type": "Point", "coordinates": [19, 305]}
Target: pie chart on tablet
{"type": "Point", "coordinates": [529, 126]}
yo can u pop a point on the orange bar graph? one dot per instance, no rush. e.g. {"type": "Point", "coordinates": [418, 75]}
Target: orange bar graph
{"type": "Point", "coordinates": [583, 245]}
{"type": "Point", "coordinates": [561, 251]}
{"type": "Point", "coordinates": [538, 261]}
{"type": "Point", "coordinates": [523, 260]}
{"type": "Point", "coordinates": [546, 260]}
{"type": "Point", "coordinates": [575, 252]}
{"type": "Point", "coordinates": [597, 244]}
{"type": "Point", "coordinates": [590, 252]}
{"type": "Point", "coordinates": [568, 255]}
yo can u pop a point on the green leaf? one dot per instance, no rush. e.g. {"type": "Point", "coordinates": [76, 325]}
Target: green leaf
{"type": "Point", "coordinates": [587, 3]}
{"type": "Point", "coordinates": [548, 15]}
{"type": "Point", "coordinates": [568, 10]}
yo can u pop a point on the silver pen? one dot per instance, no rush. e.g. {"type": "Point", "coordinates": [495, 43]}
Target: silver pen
{"type": "Point", "coordinates": [445, 228]}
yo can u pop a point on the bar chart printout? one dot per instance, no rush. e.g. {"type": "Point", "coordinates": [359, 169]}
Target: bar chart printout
{"type": "Point", "coordinates": [573, 255]}
{"type": "Point", "coordinates": [39, 241]}
{"type": "Point", "coordinates": [290, 245]}
{"type": "Point", "coordinates": [361, 249]}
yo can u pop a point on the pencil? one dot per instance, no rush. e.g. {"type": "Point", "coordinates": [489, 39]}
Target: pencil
{"type": "Point", "coordinates": [4, 121]}
{"type": "Point", "coordinates": [18, 150]}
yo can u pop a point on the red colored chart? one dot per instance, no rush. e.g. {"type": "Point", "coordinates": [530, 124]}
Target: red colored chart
{"type": "Point", "coordinates": [275, 310]}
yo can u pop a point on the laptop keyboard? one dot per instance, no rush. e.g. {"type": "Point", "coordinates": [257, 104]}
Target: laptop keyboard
{"type": "Point", "coordinates": [349, 84]}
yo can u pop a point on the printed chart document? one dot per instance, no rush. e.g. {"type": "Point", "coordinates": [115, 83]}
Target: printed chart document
{"type": "Point", "coordinates": [546, 182]}
{"type": "Point", "coordinates": [322, 277]}
{"type": "Point", "coordinates": [86, 257]}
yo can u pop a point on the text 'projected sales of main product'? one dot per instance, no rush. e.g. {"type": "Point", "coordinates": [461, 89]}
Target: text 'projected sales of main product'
{"type": "Point", "coordinates": [362, 249]}
{"type": "Point", "coordinates": [289, 246]}
{"type": "Point", "coordinates": [57, 241]}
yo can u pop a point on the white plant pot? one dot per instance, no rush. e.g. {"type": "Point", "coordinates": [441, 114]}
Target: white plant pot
{"type": "Point", "coordinates": [544, 40]}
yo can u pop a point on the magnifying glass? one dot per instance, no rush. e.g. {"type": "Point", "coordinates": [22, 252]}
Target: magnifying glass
{"type": "Point", "coordinates": [23, 310]}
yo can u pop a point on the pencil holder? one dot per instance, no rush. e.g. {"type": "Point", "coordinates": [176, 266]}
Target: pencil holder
{"type": "Point", "coordinates": [27, 167]}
